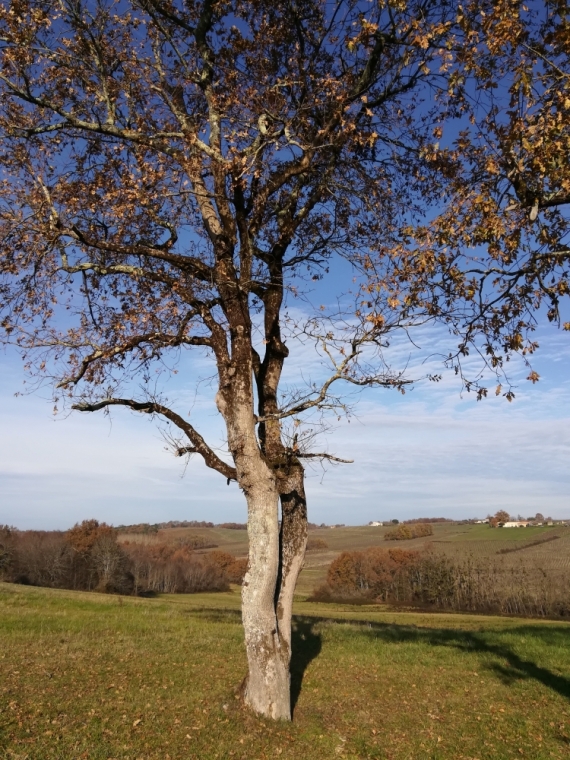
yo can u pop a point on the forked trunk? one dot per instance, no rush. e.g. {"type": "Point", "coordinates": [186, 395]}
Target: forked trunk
{"type": "Point", "coordinates": [268, 684]}
{"type": "Point", "coordinates": [275, 560]}
{"type": "Point", "coordinates": [266, 472]}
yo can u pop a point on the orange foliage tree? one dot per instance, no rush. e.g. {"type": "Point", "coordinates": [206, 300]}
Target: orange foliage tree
{"type": "Point", "coordinates": [374, 573]}
{"type": "Point", "coordinates": [176, 171]}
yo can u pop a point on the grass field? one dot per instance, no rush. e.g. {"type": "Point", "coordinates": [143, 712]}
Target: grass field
{"type": "Point", "coordinates": [86, 676]}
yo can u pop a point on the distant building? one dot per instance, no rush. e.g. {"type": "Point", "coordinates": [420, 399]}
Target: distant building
{"type": "Point", "coordinates": [515, 524]}
{"type": "Point", "coordinates": [375, 523]}
{"type": "Point", "coordinates": [481, 522]}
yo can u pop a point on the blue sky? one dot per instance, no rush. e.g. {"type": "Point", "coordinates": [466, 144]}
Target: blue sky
{"type": "Point", "coordinates": [432, 452]}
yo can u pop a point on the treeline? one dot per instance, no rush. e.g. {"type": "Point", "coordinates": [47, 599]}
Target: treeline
{"type": "Point", "coordinates": [407, 531]}
{"type": "Point", "coordinates": [155, 527]}
{"type": "Point", "coordinates": [89, 558]}
{"type": "Point", "coordinates": [416, 520]}
{"type": "Point", "coordinates": [431, 580]}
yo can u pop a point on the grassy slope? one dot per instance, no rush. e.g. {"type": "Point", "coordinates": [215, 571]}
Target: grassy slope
{"type": "Point", "coordinates": [89, 676]}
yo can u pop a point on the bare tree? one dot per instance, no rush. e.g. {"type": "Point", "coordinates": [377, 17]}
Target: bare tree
{"type": "Point", "coordinates": [176, 172]}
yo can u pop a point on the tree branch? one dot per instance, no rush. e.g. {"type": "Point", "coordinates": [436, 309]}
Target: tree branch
{"type": "Point", "coordinates": [199, 445]}
{"type": "Point", "coordinates": [194, 266]}
{"type": "Point", "coordinates": [324, 456]}
{"type": "Point", "coordinates": [156, 338]}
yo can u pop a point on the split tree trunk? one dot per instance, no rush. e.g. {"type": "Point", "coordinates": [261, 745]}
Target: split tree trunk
{"type": "Point", "coordinates": [267, 471]}
{"type": "Point", "coordinates": [293, 543]}
{"type": "Point", "coordinates": [268, 682]}
{"type": "Point", "coordinates": [275, 559]}
{"type": "Point", "coordinates": [274, 563]}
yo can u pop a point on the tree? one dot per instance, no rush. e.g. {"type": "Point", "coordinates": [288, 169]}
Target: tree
{"type": "Point", "coordinates": [501, 517]}
{"type": "Point", "coordinates": [6, 548]}
{"type": "Point", "coordinates": [96, 555]}
{"type": "Point", "coordinates": [176, 172]}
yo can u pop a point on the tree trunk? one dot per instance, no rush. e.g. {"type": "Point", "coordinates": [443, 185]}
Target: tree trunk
{"type": "Point", "coordinates": [275, 560]}
{"type": "Point", "coordinates": [268, 685]}
{"type": "Point", "coordinates": [266, 472]}
{"type": "Point", "coordinates": [293, 542]}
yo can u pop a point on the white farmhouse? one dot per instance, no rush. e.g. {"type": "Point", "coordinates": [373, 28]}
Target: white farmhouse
{"type": "Point", "coordinates": [516, 524]}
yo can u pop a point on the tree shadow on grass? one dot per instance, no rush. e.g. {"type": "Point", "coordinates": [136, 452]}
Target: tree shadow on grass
{"type": "Point", "coordinates": [512, 668]}
{"type": "Point", "coordinates": [509, 667]}
{"type": "Point", "coordinates": [517, 668]}
{"type": "Point", "coordinates": [306, 646]}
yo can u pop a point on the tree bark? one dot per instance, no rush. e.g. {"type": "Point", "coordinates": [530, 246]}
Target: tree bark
{"type": "Point", "coordinates": [268, 687]}
{"type": "Point", "coordinates": [275, 560]}
{"type": "Point", "coordinates": [275, 556]}
{"type": "Point", "coordinates": [292, 543]}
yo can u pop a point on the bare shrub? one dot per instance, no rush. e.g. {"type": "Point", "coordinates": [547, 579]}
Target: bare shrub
{"type": "Point", "coordinates": [314, 544]}
{"type": "Point", "coordinates": [433, 580]}
{"type": "Point", "coordinates": [233, 568]}
{"type": "Point", "coordinates": [406, 531]}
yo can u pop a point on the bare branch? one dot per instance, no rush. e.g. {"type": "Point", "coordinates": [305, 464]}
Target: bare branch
{"type": "Point", "coordinates": [330, 457]}
{"type": "Point", "coordinates": [157, 339]}
{"type": "Point", "coordinates": [210, 458]}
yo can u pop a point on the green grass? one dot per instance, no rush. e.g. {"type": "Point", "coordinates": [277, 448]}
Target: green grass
{"type": "Point", "coordinates": [92, 677]}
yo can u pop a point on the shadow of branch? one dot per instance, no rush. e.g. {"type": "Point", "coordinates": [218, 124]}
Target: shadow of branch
{"type": "Point", "coordinates": [468, 641]}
